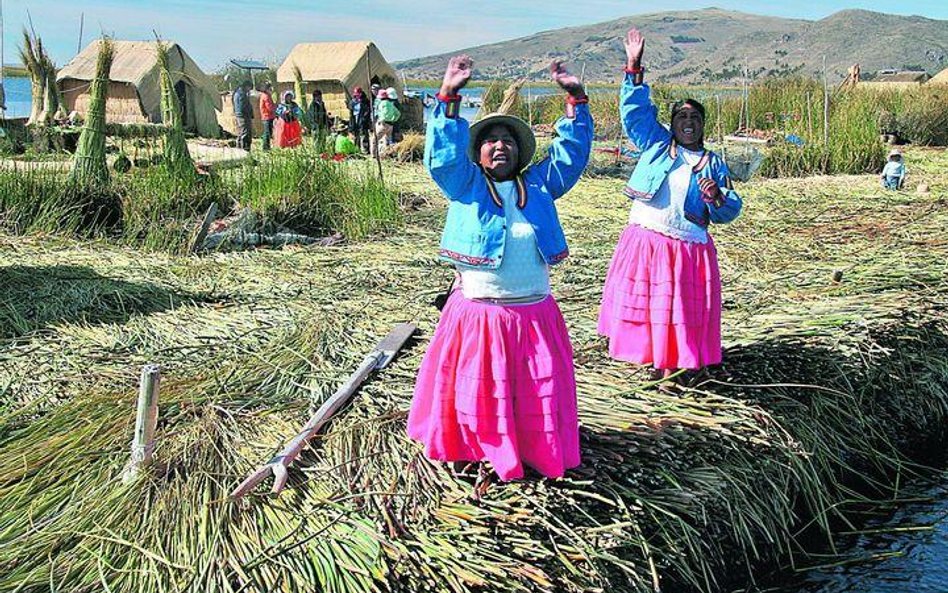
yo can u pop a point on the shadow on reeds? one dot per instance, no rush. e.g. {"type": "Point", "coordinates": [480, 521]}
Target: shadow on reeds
{"type": "Point", "coordinates": [895, 381]}
{"type": "Point", "coordinates": [34, 297]}
{"type": "Point", "coordinates": [773, 452]}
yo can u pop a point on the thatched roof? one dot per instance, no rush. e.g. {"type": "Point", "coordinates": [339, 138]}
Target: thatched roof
{"type": "Point", "coordinates": [136, 63]}
{"type": "Point", "coordinates": [913, 76]}
{"type": "Point", "coordinates": [940, 78]}
{"type": "Point", "coordinates": [342, 61]}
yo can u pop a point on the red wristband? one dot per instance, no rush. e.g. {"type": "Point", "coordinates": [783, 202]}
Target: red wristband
{"type": "Point", "coordinates": [572, 102]}
{"type": "Point", "coordinates": [638, 70]}
{"type": "Point", "coordinates": [452, 104]}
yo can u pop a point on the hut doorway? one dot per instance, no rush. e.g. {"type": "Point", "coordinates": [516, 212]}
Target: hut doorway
{"type": "Point", "coordinates": [181, 90]}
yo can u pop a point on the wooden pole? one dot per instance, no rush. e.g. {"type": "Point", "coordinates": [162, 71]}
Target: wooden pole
{"type": "Point", "coordinates": [809, 118]}
{"type": "Point", "coordinates": [720, 125]}
{"type": "Point", "coordinates": [82, 20]}
{"type": "Point", "coordinates": [378, 358]}
{"type": "Point", "coordinates": [368, 72]}
{"type": "Point", "coordinates": [826, 121]}
{"type": "Point", "coordinates": [146, 420]}
{"type": "Point", "coordinates": [530, 104]}
{"type": "Point", "coordinates": [826, 108]}
{"type": "Point", "coordinates": [747, 97]}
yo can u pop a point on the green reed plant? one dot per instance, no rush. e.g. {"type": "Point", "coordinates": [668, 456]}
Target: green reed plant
{"type": "Point", "coordinates": [916, 115]}
{"type": "Point", "coordinates": [301, 190]}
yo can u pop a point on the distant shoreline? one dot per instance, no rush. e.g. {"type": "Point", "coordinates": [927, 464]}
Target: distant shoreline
{"type": "Point", "coordinates": [15, 72]}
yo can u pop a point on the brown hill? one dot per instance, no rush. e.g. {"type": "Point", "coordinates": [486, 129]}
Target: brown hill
{"type": "Point", "coordinates": [713, 45]}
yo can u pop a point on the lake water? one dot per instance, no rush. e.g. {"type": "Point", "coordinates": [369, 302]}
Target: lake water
{"type": "Point", "coordinates": [17, 90]}
{"type": "Point", "coordinates": [478, 92]}
{"type": "Point", "coordinates": [900, 551]}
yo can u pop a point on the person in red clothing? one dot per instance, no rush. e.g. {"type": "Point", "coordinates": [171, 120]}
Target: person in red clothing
{"type": "Point", "coordinates": [267, 114]}
{"type": "Point", "coordinates": [288, 129]}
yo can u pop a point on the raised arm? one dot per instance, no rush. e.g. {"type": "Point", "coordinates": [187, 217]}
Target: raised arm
{"type": "Point", "coordinates": [639, 115]}
{"type": "Point", "coordinates": [570, 150]}
{"type": "Point", "coordinates": [448, 134]}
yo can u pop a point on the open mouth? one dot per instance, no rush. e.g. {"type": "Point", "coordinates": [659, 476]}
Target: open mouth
{"type": "Point", "coordinates": [688, 130]}
{"type": "Point", "coordinates": [500, 158]}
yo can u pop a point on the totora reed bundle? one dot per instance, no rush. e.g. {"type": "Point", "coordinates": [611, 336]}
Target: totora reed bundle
{"type": "Point", "coordinates": [91, 169]}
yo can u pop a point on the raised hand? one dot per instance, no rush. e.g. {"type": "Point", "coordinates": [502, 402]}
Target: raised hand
{"type": "Point", "coordinates": [710, 192]}
{"type": "Point", "coordinates": [634, 48]}
{"type": "Point", "coordinates": [568, 82]}
{"type": "Point", "coordinates": [457, 74]}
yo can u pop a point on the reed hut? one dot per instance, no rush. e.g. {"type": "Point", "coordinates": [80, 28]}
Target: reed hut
{"type": "Point", "coordinates": [940, 79]}
{"type": "Point", "coordinates": [335, 68]}
{"type": "Point", "coordinates": [897, 80]}
{"type": "Point", "coordinates": [134, 94]}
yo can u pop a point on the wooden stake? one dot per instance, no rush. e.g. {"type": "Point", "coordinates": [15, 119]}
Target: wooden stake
{"type": "Point", "coordinates": [143, 444]}
{"type": "Point", "coordinates": [368, 72]}
{"type": "Point", "coordinates": [82, 22]}
{"type": "Point", "coordinates": [826, 108]}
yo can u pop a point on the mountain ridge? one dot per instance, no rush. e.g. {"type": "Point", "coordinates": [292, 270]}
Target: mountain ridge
{"type": "Point", "coordinates": [713, 45]}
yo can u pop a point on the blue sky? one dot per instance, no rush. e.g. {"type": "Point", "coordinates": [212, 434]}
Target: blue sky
{"type": "Point", "coordinates": [213, 31]}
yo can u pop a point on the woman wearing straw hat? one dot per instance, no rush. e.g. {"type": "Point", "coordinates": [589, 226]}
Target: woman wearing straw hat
{"type": "Point", "coordinates": [496, 383]}
{"type": "Point", "coordinates": [661, 302]}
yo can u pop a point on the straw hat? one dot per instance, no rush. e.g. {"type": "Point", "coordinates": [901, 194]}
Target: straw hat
{"type": "Point", "coordinates": [526, 141]}
{"type": "Point", "coordinates": [895, 152]}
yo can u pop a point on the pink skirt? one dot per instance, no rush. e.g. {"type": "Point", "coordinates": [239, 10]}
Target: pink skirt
{"type": "Point", "coordinates": [661, 304]}
{"type": "Point", "coordinates": [497, 384]}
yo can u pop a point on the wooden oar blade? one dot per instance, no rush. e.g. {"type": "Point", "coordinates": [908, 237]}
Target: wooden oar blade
{"type": "Point", "coordinates": [393, 342]}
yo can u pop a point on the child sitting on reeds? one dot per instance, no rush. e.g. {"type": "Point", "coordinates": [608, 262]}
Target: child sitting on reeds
{"type": "Point", "coordinates": [893, 174]}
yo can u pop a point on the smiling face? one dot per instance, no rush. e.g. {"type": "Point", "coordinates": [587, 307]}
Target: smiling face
{"type": "Point", "coordinates": [688, 127]}
{"type": "Point", "coordinates": [499, 153]}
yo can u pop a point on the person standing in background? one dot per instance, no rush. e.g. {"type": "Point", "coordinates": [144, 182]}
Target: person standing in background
{"type": "Point", "coordinates": [318, 118]}
{"type": "Point", "coordinates": [396, 127]}
{"type": "Point", "coordinates": [267, 114]}
{"type": "Point", "coordinates": [243, 114]}
{"type": "Point", "coordinates": [360, 119]}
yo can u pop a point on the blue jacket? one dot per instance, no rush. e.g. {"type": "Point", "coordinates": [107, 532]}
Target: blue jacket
{"type": "Point", "coordinates": [475, 229]}
{"type": "Point", "coordinates": [659, 153]}
{"type": "Point", "coordinates": [242, 106]}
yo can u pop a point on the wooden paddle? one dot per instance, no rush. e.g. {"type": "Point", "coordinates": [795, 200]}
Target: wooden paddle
{"type": "Point", "coordinates": [378, 358]}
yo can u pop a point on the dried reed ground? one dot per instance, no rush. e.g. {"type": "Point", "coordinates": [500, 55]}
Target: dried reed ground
{"type": "Point", "coordinates": [823, 380]}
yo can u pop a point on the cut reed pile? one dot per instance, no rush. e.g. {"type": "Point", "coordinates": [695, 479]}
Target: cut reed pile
{"type": "Point", "coordinates": [823, 380]}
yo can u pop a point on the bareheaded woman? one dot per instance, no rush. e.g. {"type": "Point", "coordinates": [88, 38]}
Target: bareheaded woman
{"type": "Point", "coordinates": [661, 303]}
